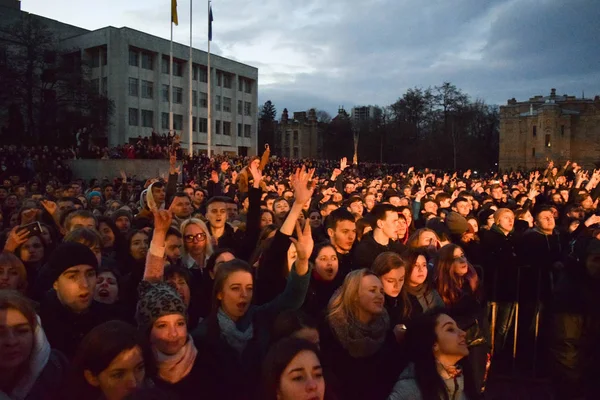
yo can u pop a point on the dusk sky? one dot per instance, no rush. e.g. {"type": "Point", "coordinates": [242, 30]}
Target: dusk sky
{"type": "Point", "coordinates": [325, 53]}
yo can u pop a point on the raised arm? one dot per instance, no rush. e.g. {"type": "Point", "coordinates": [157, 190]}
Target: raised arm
{"type": "Point", "coordinates": [155, 265]}
{"type": "Point", "coordinates": [304, 187]}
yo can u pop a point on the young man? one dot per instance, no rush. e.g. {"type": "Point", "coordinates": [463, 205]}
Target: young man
{"type": "Point", "coordinates": [173, 246]}
{"type": "Point", "coordinates": [79, 219]}
{"type": "Point", "coordinates": [383, 238]}
{"type": "Point", "coordinates": [69, 312]}
{"type": "Point", "coordinates": [216, 214]}
{"type": "Point", "coordinates": [181, 207]}
{"type": "Point", "coordinates": [341, 229]}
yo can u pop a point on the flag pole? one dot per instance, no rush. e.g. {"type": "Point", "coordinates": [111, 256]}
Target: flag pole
{"type": "Point", "coordinates": [171, 80]}
{"type": "Point", "coordinates": [190, 70]}
{"type": "Point", "coordinates": [209, 95]}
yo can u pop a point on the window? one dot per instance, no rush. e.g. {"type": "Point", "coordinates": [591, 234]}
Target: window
{"type": "Point", "coordinates": [218, 127]}
{"type": "Point", "coordinates": [147, 90]}
{"type": "Point", "coordinates": [247, 130]}
{"type": "Point", "coordinates": [219, 78]}
{"type": "Point", "coordinates": [547, 142]}
{"type": "Point", "coordinates": [218, 103]}
{"type": "Point", "coordinates": [133, 117]}
{"type": "Point", "coordinates": [96, 85]}
{"type": "Point", "coordinates": [95, 58]}
{"type": "Point", "coordinates": [104, 55]}
{"type": "Point", "coordinates": [177, 68]}
{"type": "Point", "coordinates": [247, 108]}
{"type": "Point", "coordinates": [248, 87]}
{"type": "Point", "coordinates": [203, 125]}
{"type": "Point", "coordinates": [177, 122]}
{"type": "Point", "coordinates": [194, 72]}
{"type": "Point", "coordinates": [227, 104]}
{"type": "Point", "coordinates": [533, 152]}
{"type": "Point", "coordinates": [194, 121]}
{"type": "Point", "coordinates": [134, 57]}
{"type": "Point", "coordinates": [203, 100]}
{"type": "Point", "coordinates": [177, 95]}
{"type": "Point", "coordinates": [165, 120]}
{"type": "Point", "coordinates": [105, 86]}
{"type": "Point", "coordinates": [295, 137]}
{"type": "Point", "coordinates": [226, 128]}
{"type": "Point", "coordinates": [240, 83]}
{"type": "Point", "coordinates": [194, 98]}
{"type": "Point", "coordinates": [165, 65]}
{"type": "Point", "coordinates": [562, 130]}
{"type": "Point", "coordinates": [295, 152]}
{"type": "Point", "coordinates": [133, 87]}
{"type": "Point", "coordinates": [227, 81]}
{"type": "Point", "coordinates": [165, 93]}
{"type": "Point", "coordinates": [240, 107]}
{"type": "Point", "coordinates": [148, 61]}
{"type": "Point", "coordinates": [240, 130]}
{"type": "Point", "coordinates": [534, 131]}
{"type": "Point", "coordinates": [147, 118]}
{"type": "Point", "coordinates": [203, 75]}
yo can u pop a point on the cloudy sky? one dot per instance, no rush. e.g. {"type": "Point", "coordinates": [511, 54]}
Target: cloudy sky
{"type": "Point", "coordinates": [325, 53]}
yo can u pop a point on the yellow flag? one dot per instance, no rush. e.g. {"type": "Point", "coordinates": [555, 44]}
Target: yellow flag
{"type": "Point", "coordinates": [174, 18]}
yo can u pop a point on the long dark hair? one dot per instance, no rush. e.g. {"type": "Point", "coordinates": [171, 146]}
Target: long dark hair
{"type": "Point", "coordinates": [420, 339]}
{"type": "Point", "coordinates": [386, 262]}
{"type": "Point", "coordinates": [278, 358]}
{"type": "Point", "coordinates": [448, 284]}
{"type": "Point", "coordinates": [98, 349]}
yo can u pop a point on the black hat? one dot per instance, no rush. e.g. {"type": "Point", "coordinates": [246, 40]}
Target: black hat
{"type": "Point", "coordinates": [68, 255]}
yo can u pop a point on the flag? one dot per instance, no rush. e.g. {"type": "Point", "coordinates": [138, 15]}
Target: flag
{"type": "Point", "coordinates": [210, 21]}
{"type": "Point", "coordinates": [174, 18]}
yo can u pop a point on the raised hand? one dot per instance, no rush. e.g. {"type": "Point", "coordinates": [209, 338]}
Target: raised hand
{"type": "Point", "coordinates": [123, 176]}
{"type": "Point", "coordinates": [234, 176]}
{"type": "Point", "coordinates": [16, 239]}
{"type": "Point", "coordinates": [343, 164]}
{"type": "Point", "coordinates": [49, 206]}
{"type": "Point", "coordinates": [256, 175]}
{"type": "Point", "coordinates": [162, 219]}
{"type": "Point", "coordinates": [214, 176]}
{"type": "Point", "coordinates": [305, 243]}
{"type": "Point", "coordinates": [303, 185]}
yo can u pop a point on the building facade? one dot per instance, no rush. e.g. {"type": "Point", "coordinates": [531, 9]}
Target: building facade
{"type": "Point", "coordinates": [300, 136]}
{"type": "Point", "coordinates": [554, 127]}
{"type": "Point", "coordinates": [132, 68]}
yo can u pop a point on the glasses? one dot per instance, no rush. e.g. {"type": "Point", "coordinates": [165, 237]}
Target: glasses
{"type": "Point", "coordinates": [199, 237]}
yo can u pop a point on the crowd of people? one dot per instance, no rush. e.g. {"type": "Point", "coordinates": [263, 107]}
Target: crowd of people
{"type": "Point", "coordinates": [267, 278]}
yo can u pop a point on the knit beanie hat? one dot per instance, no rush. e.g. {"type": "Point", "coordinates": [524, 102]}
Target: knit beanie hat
{"type": "Point", "coordinates": [157, 300]}
{"type": "Point", "coordinates": [484, 215]}
{"type": "Point", "coordinates": [121, 213]}
{"type": "Point", "coordinates": [67, 255]}
{"type": "Point", "coordinates": [457, 224]}
{"type": "Point", "coordinates": [93, 194]}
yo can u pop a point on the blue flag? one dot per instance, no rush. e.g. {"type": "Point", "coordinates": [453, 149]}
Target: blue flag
{"type": "Point", "coordinates": [210, 20]}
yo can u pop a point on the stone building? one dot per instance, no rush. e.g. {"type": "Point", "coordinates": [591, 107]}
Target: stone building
{"type": "Point", "coordinates": [554, 127]}
{"type": "Point", "coordinates": [132, 69]}
{"type": "Point", "coordinates": [300, 136]}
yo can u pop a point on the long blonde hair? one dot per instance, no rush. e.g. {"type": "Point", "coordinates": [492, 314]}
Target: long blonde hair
{"type": "Point", "coordinates": [343, 305]}
{"type": "Point", "coordinates": [198, 222]}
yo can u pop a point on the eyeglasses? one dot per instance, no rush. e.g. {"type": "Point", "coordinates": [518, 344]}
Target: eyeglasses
{"type": "Point", "coordinates": [199, 237]}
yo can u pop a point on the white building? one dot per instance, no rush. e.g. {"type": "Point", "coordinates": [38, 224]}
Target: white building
{"type": "Point", "coordinates": [363, 113]}
{"type": "Point", "coordinates": [132, 69]}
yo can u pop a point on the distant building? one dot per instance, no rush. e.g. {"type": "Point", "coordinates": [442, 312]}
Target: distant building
{"type": "Point", "coordinates": [557, 128]}
{"type": "Point", "coordinates": [300, 136]}
{"type": "Point", "coordinates": [132, 69]}
{"type": "Point", "coordinates": [364, 113]}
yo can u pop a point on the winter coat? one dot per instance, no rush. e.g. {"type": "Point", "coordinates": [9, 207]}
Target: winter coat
{"type": "Point", "coordinates": [500, 265]}
{"type": "Point", "coordinates": [406, 388]}
{"type": "Point", "coordinates": [368, 249]}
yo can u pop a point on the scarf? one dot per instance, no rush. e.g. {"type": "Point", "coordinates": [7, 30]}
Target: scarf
{"type": "Point", "coordinates": [174, 368]}
{"type": "Point", "coordinates": [359, 339]}
{"type": "Point", "coordinates": [229, 330]}
{"type": "Point", "coordinates": [37, 362]}
{"type": "Point", "coordinates": [422, 294]}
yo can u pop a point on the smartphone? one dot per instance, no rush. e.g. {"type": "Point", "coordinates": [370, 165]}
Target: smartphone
{"type": "Point", "coordinates": [34, 229]}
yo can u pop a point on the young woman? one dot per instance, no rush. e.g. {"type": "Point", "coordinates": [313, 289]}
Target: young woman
{"type": "Point", "coordinates": [436, 346]}
{"type": "Point", "coordinates": [419, 290]}
{"type": "Point", "coordinates": [113, 241]}
{"type": "Point", "coordinates": [13, 275]}
{"type": "Point", "coordinates": [197, 243]}
{"type": "Point", "coordinates": [460, 288]}
{"type": "Point", "coordinates": [112, 362]}
{"type": "Point", "coordinates": [358, 345]}
{"type": "Point", "coordinates": [391, 269]}
{"type": "Point", "coordinates": [324, 280]}
{"type": "Point", "coordinates": [107, 286]}
{"type": "Point", "coordinates": [292, 371]}
{"type": "Point", "coordinates": [29, 369]}
{"type": "Point", "coordinates": [266, 218]}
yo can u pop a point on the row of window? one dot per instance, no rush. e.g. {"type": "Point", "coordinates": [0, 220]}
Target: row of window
{"type": "Point", "coordinates": [96, 85]}
{"type": "Point", "coordinates": [199, 73]}
{"type": "Point", "coordinates": [198, 124]}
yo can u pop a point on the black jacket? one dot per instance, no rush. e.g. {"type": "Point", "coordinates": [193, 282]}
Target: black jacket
{"type": "Point", "coordinates": [500, 265]}
{"type": "Point", "coordinates": [368, 249]}
{"type": "Point", "coordinates": [65, 329]}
